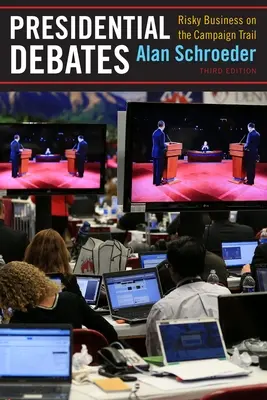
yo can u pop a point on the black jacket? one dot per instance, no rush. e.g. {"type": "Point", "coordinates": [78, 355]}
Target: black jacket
{"type": "Point", "coordinates": [12, 243]}
{"type": "Point", "coordinates": [225, 231]}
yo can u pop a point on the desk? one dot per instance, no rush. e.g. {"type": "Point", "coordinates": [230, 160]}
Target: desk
{"type": "Point", "coordinates": [47, 157]}
{"type": "Point", "coordinates": [209, 156]}
{"type": "Point", "coordinates": [126, 331]}
{"type": "Point", "coordinates": [187, 392]}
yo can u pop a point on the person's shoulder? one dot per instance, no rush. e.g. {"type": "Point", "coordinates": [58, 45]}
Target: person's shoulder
{"type": "Point", "coordinates": [217, 289]}
{"type": "Point", "coordinates": [66, 296]}
{"type": "Point", "coordinates": [214, 258]}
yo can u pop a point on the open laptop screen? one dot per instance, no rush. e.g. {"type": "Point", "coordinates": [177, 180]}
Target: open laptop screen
{"type": "Point", "coordinates": [133, 290]}
{"type": "Point", "coordinates": [151, 260]}
{"type": "Point", "coordinates": [237, 254]}
{"type": "Point", "coordinates": [191, 341]}
{"type": "Point", "coordinates": [90, 287]}
{"type": "Point", "coordinates": [35, 353]}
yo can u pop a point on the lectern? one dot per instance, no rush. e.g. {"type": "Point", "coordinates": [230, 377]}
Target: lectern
{"type": "Point", "coordinates": [171, 157]}
{"type": "Point", "coordinates": [25, 155]}
{"type": "Point", "coordinates": [238, 162]}
{"type": "Point", "coordinates": [71, 157]}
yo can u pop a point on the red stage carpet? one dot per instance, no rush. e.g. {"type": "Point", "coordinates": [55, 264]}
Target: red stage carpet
{"type": "Point", "coordinates": [50, 175]}
{"type": "Point", "coordinates": [202, 182]}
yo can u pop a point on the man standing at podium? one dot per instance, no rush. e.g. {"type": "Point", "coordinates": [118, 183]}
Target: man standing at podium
{"type": "Point", "coordinates": [158, 153]}
{"type": "Point", "coordinates": [251, 153]}
{"type": "Point", "coordinates": [15, 150]}
{"type": "Point", "coordinates": [81, 153]}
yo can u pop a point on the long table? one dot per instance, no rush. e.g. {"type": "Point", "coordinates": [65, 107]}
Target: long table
{"type": "Point", "coordinates": [189, 391]}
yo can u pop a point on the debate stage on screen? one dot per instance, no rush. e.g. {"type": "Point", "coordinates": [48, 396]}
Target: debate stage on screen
{"type": "Point", "coordinates": [197, 182]}
{"type": "Point", "coordinates": [49, 175]}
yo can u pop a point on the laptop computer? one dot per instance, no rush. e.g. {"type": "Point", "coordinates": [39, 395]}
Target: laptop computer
{"type": "Point", "coordinates": [194, 349]}
{"type": "Point", "coordinates": [90, 286]}
{"type": "Point", "coordinates": [238, 254]}
{"type": "Point", "coordinates": [152, 259]}
{"type": "Point", "coordinates": [131, 294]}
{"type": "Point", "coordinates": [36, 361]}
{"type": "Point", "coordinates": [241, 317]}
{"type": "Point", "coordinates": [56, 278]}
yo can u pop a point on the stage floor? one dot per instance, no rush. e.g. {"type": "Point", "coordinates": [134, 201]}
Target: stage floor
{"type": "Point", "coordinates": [204, 182]}
{"type": "Point", "coordinates": [50, 175]}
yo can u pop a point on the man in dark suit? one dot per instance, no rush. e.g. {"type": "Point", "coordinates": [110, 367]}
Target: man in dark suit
{"type": "Point", "coordinates": [222, 230]}
{"type": "Point", "coordinates": [81, 153]}
{"type": "Point", "coordinates": [12, 243]}
{"type": "Point", "coordinates": [15, 150]}
{"type": "Point", "coordinates": [158, 151]}
{"type": "Point", "coordinates": [251, 153]}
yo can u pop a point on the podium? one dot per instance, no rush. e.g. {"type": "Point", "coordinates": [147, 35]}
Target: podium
{"type": "Point", "coordinates": [71, 157]}
{"type": "Point", "coordinates": [25, 155]}
{"type": "Point", "coordinates": [171, 157]}
{"type": "Point", "coordinates": [237, 153]}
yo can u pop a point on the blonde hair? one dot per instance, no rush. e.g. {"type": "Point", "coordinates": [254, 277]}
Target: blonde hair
{"type": "Point", "coordinates": [48, 252]}
{"type": "Point", "coordinates": [23, 286]}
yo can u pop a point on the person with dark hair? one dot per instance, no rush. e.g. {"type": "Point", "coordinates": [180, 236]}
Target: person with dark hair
{"type": "Point", "coordinates": [223, 230]}
{"type": "Point", "coordinates": [251, 153]}
{"type": "Point", "coordinates": [193, 224]}
{"type": "Point", "coordinates": [158, 151]}
{"type": "Point", "coordinates": [12, 243]}
{"type": "Point", "coordinates": [15, 151]}
{"type": "Point", "coordinates": [81, 153]}
{"type": "Point", "coordinates": [192, 298]}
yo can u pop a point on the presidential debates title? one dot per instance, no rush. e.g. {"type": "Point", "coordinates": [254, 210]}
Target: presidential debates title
{"type": "Point", "coordinates": [107, 45]}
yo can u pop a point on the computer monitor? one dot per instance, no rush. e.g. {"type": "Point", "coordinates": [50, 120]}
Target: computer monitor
{"type": "Point", "coordinates": [152, 259]}
{"type": "Point", "coordinates": [241, 317]}
{"type": "Point", "coordinates": [238, 254]}
{"type": "Point", "coordinates": [90, 286]}
{"type": "Point", "coordinates": [131, 289]}
{"type": "Point", "coordinates": [42, 352]}
{"type": "Point", "coordinates": [184, 157]}
{"type": "Point", "coordinates": [52, 158]}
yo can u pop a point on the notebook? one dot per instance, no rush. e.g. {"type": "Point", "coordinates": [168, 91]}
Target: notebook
{"type": "Point", "coordinates": [152, 259]}
{"type": "Point", "coordinates": [38, 358]}
{"type": "Point", "coordinates": [131, 294]}
{"type": "Point", "coordinates": [195, 350]}
{"type": "Point", "coordinates": [238, 254]}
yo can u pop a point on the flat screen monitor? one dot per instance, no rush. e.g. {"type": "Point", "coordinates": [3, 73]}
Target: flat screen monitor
{"type": "Point", "coordinates": [234, 309]}
{"type": "Point", "coordinates": [192, 156]}
{"type": "Point", "coordinates": [52, 158]}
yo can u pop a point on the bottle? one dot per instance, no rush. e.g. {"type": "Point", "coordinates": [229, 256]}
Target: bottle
{"type": "Point", "coordinates": [153, 222]}
{"type": "Point", "coordinates": [105, 210]}
{"type": "Point", "coordinates": [81, 239]}
{"type": "Point", "coordinates": [248, 284]}
{"type": "Point", "coordinates": [2, 261]}
{"type": "Point", "coordinates": [213, 277]}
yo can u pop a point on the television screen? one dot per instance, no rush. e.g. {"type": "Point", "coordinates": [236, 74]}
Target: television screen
{"type": "Point", "coordinates": [52, 158]}
{"type": "Point", "coordinates": [195, 156]}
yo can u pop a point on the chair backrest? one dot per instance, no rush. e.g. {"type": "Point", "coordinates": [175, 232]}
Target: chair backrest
{"type": "Point", "coordinates": [258, 392]}
{"type": "Point", "coordinates": [93, 340]}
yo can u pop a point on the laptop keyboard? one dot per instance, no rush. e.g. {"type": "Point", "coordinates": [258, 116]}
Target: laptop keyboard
{"type": "Point", "coordinates": [135, 314]}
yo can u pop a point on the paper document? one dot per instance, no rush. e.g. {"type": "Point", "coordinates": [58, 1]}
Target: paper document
{"type": "Point", "coordinates": [206, 369]}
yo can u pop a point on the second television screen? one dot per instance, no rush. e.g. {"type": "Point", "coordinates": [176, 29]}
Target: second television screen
{"type": "Point", "coordinates": [202, 171]}
{"type": "Point", "coordinates": [52, 157]}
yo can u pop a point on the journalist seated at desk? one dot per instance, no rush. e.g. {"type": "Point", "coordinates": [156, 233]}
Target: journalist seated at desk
{"type": "Point", "coordinates": [35, 299]}
{"type": "Point", "coordinates": [48, 252]}
{"type": "Point", "coordinates": [192, 298]}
